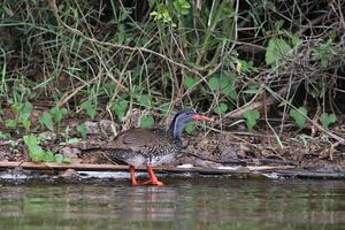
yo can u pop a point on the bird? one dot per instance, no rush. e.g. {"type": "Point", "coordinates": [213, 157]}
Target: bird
{"type": "Point", "coordinates": [140, 147]}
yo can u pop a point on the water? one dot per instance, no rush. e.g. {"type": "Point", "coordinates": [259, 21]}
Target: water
{"type": "Point", "coordinates": [184, 203]}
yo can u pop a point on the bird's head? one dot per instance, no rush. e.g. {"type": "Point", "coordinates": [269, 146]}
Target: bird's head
{"type": "Point", "coordinates": [181, 119]}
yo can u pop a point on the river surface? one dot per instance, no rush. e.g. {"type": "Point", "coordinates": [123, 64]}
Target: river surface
{"type": "Point", "coordinates": [184, 203]}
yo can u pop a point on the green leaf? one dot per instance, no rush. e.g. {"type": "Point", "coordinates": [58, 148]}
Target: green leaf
{"type": "Point", "coordinates": [4, 136]}
{"type": "Point", "coordinates": [59, 158]}
{"type": "Point", "coordinates": [182, 6]}
{"type": "Point", "coordinates": [26, 110]}
{"type": "Point", "coordinates": [47, 121]}
{"type": "Point", "coordinates": [48, 156]}
{"type": "Point", "coordinates": [36, 153]}
{"type": "Point", "coordinates": [10, 123]}
{"type": "Point", "coordinates": [245, 66]}
{"type": "Point", "coordinates": [82, 129]}
{"type": "Point", "coordinates": [23, 112]}
{"type": "Point", "coordinates": [31, 140]}
{"type": "Point", "coordinates": [214, 83]}
{"type": "Point", "coordinates": [147, 121]}
{"type": "Point", "coordinates": [89, 109]}
{"type": "Point", "coordinates": [221, 108]}
{"type": "Point", "coordinates": [26, 124]}
{"type": "Point", "coordinates": [228, 89]}
{"type": "Point", "coordinates": [162, 14]}
{"type": "Point", "coordinates": [223, 84]}
{"type": "Point", "coordinates": [327, 119]}
{"type": "Point", "coordinates": [16, 108]}
{"type": "Point", "coordinates": [251, 117]}
{"type": "Point", "coordinates": [190, 128]}
{"type": "Point", "coordinates": [120, 108]}
{"type": "Point", "coordinates": [189, 82]}
{"type": "Point", "coordinates": [66, 160]}
{"type": "Point", "coordinates": [299, 116]}
{"type": "Point", "coordinates": [58, 114]}
{"type": "Point", "coordinates": [325, 52]}
{"type": "Point", "coordinates": [277, 49]}
{"type": "Point", "coordinates": [145, 100]}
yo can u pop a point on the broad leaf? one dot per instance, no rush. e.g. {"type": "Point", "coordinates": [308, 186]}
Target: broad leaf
{"type": "Point", "coordinates": [58, 114]}
{"type": "Point", "coordinates": [147, 121]}
{"type": "Point", "coordinates": [182, 6]}
{"type": "Point", "coordinates": [277, 49]}
{"type": "Point", "coordinates": [325, 52]}
{"type": "Point", "coordinates": [251, 117]}
{"type": "Point", "coordinates": [59, 158]}
{"type": "Point", "coordinates": [82, 129]}
{"type": "Point", "coordinates": [120, 108]}
{"type": "Point", "coordinates": [189, 82]}
{"type": "Point", "coordinates": [299, 116]}
{"type": "Point", "coordinates": [145, 100]}
{"type": "Point", "coordinates": [221, 108]}
{"type": "Point", "coordinates": [223, 84]}
{"type": "Point", "coordinates": [36, 153]}
{"type": "Point", "coordinates": [89, 109]}
{"type": "Point", "coordinates": [11, 123]}
{"type": "Point", "coordinates": [47, 121]}
{"type": "Point", "coordinates": [327, 119]}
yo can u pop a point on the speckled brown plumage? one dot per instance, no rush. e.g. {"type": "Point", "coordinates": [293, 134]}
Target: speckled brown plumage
{"type": "Point", "coordinates": [152, 147]}
{"type": "Point", "coordinates": [139, 147]}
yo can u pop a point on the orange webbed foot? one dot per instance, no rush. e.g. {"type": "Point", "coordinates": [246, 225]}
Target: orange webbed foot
{"type": "Point", "coordinates": [152, 181]}
{"type": "Point", "coordinates": [153, 178]}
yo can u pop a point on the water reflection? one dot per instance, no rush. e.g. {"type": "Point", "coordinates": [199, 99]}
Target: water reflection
{"type": "Point", "coordinates": [210, 203]}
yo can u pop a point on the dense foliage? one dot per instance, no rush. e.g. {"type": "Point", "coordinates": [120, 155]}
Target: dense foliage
{"type": "Point", "coordinates": [250, 59]}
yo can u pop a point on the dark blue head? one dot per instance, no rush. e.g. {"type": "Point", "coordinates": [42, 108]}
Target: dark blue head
{"type": "Point", "coordinates": [181, 119]}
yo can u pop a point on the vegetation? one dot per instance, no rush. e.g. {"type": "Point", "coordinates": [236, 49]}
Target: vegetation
{"type": "Point", "coordinates": [37, 154]}
{"type": "Point", "coordinates": [249, 60]}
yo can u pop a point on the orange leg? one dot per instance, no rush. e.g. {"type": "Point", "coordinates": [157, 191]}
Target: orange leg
{"type": "Point", "coordinates": [153, 179]}
{"type": "Point", "coordinates": [133, 177]}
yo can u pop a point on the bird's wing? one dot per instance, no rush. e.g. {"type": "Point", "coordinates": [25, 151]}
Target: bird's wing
{"type": "Point", "coordinates": [136, 139]}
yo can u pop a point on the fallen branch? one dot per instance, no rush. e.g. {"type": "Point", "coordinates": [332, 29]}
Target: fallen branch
{"type": "Point", "coordinates": [250, 171]}
{"type": "Point", "coordinates": [111, 167]}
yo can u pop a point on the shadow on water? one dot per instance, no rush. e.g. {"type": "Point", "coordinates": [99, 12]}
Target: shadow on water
{"type": "Point", "coordinates": [204, 203]}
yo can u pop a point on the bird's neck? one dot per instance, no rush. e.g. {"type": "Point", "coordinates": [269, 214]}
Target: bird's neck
{"type": "Point", "coordinates": [176, 128]}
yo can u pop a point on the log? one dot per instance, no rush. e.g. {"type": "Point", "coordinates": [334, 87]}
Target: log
{"type": "Point", "coordinates": [117, 168]}
{"type": "Point", "coordinates": [286, 171]}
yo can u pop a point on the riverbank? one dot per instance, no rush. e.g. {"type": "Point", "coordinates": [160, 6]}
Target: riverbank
{"type": "Point", "coordinates": [210, 152]}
